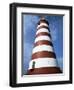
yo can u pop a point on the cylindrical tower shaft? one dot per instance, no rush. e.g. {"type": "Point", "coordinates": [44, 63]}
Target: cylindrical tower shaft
{"type": "Point", "coordinates": [43, 56]}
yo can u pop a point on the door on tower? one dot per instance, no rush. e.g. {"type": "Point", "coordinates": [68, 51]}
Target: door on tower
{"type": "Point", "coordinates": [33, 65]}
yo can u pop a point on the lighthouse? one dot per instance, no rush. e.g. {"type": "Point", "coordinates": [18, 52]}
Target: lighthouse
{"type": "Point", "coordinates": [43, 60]}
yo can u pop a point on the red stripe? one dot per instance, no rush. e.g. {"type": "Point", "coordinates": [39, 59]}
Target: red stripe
{"type": "Point", "coordinates": [45, 70]}
{"type": "Point", "coordinates": [41, 42]}
{"type": "Point", "coordinates": [43, 33]}
{"type": "Point", "coordinates": [43, 54]}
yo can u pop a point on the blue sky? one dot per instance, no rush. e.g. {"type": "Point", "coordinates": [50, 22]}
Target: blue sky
{"type": "Point", "coordinates": [29, 30]}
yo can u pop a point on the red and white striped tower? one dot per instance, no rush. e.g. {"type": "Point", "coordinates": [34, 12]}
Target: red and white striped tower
{"type": "Point", "coordinates": [43, 56]}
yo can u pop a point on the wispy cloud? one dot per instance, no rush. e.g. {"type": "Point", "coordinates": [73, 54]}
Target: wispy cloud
{"type": "Point", "coordinates": [53, 32]}
{"type": "Point", "coordinates": [60, 62]}
{"type": "Point", "coordinates": [27, 53]}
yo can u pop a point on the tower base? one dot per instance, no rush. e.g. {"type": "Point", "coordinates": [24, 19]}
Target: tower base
{"type": "Point", "coordinates": [44, 70]}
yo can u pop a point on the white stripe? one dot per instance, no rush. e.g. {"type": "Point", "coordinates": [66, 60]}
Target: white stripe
{"type": "Point", "coordinates": [42, 30]}
{"type": "Point", "coordinates": [44, 37]}
{"type": "Point", "coordinates": [42, 24]}
{"type": "Point", "coordinates": [43, 62]}
{"type": "Point", "coordinates": [43, 48]}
